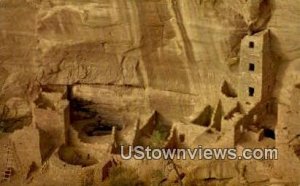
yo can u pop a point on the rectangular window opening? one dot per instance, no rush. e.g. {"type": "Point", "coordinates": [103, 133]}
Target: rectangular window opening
{"type": "Point", "coordinates": [251, 44]}
{"type": "Point", "coordinates": [251, 67]}
{"type": "Point", "coordinates": [251, 91]}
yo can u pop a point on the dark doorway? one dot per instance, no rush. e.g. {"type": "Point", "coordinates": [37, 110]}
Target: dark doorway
{"type": "Point", "coordinates": [251, 91]}
{"type": "Point", "coordinates": [269, 133]}
{"type": "Point", "coordinates": [251, 44]}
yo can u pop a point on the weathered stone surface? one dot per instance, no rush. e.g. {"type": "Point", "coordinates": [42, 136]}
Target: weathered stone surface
{"type": "Point", "coordinates": [119, 61]}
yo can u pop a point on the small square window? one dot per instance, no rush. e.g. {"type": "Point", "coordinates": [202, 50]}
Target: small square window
{"type": "Point", "coordinates": [251, 44]}
{"type": "Point", "coordinates": [251, 67]}
{"type": "Point", "coordinates": [251, 91]}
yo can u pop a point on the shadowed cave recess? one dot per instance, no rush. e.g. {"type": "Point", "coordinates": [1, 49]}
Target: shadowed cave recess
{"type": "Point", "coordinates": [81, 79]}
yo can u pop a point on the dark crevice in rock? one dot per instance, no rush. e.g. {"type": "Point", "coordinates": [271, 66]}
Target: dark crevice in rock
{"type": "Point", "coordinates": [228, 91]}
{"type": "Point", "coordinates": [205, 117]}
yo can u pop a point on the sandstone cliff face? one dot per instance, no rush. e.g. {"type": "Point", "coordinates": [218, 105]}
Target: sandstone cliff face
{"type": "Point", "coordinates": [164, 45]}
{"type": "Point", "coordinates": [135, 56]}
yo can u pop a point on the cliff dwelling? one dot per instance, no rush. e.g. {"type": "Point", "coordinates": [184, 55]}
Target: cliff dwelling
{"type": "Point", "coordinates": [149, 92]}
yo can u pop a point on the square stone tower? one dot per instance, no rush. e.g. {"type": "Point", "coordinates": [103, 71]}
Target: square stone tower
{"type": "Point", "coordinates": [256, 78]}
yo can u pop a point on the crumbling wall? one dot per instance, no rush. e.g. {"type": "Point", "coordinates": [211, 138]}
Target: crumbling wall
{"type": "Point", "coordinates": [190, 132]}
{"type": "Point", "coordinates": [217, 117]}
{"type": "Point", "coordinates": [27, 148]}
{"type": "Point", "coordinates": [51, 117]}
{"type": "Point", "coordinates": [174, 140]}
{"type": "Point", "coordinates": [233, 128]}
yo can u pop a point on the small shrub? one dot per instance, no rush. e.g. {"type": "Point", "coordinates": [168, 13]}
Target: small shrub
{"type": "Point", "coordinates": [121, 176]}
{"type": "Point", "coordinates": [157, 139]}
{"type": "Point", "coordinates": [159, 135]}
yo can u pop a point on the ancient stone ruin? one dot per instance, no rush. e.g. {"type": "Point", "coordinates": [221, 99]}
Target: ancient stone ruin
{"type": "Point", "coordinates": [82, 80]}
